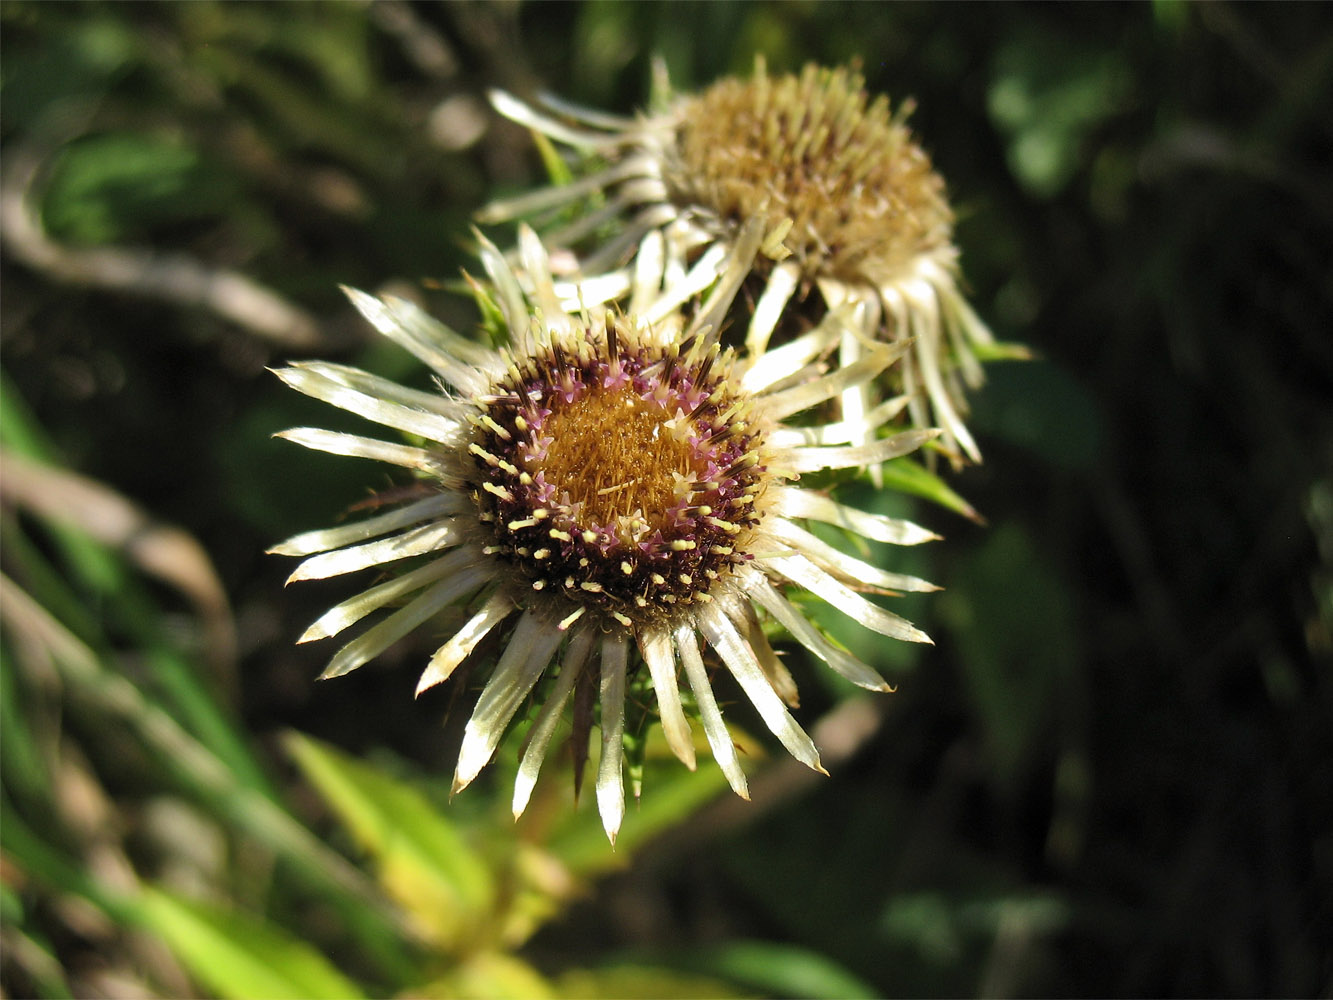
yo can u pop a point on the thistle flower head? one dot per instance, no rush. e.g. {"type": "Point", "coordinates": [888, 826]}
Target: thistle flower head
{"type": "Point", "coordinates": [620, 476]}
{"type": "Point", "coordinates": [850, 203]}
{"type": "Point", "coordinates": [602, 493]}
{"type": "Point", "coordinates": [812, 153]}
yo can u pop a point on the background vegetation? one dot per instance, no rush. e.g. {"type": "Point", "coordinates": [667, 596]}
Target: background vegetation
{"type": "Point", "coordinates": [1111, 775]}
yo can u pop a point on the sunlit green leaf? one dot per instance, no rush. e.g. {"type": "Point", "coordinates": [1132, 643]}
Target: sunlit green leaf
{"type": "Point", "coordinates": [487, 976]}
{"type": "Point", "coordinates": [643, 982]}
{"type": "Point", "coordinates": [237, 956]}
{"type": "Point", "coordinates": [910, 476]}
{"type": "Point", "coordinates": [421, 858]}
{"type": "Point", "coordinates": [557, 170]}
{"type": "Point", "coordinates": [185, 760]}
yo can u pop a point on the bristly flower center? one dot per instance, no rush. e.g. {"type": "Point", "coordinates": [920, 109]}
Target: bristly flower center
{"type": "Point", "coordinates": [862, 197]}
{"type": "Point", "coordinates": [620, 457]}
{"type": "Point", "coordinates": [618, 477]}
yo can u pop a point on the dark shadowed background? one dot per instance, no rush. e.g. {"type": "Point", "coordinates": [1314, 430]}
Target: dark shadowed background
{"type": "Point", "coordinates": [1112, 773]}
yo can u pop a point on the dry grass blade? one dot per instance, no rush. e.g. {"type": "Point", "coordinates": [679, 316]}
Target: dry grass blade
{"type": "Point", "coordinates": [161, 550]}
{"type": "Point", "coordinates": [173, 277]}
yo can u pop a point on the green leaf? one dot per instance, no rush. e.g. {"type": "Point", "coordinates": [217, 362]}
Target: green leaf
{"type": "Point", "coordinates": [299, 106]}
{"type": "Point", "coordinates": [492, 325]}
{"type": "Point", "coordinates": [422, 860]}
{"type": "Point", "coordinates": [1013, 622]}
{"type": "Point", "coordinates": [37, 960]}
{"type": "Point", "coordinates": [488, 976]}
{"type": "Point", "coordinates": [81, 57]}
{"type": "Point", "coordinates": [1003, 350]}
{"type": "Point", "coordinates": [943, 927]}
{"type": "Point", "coordinates": [1048, 97]}
{"type": "Point", "coordinates": [557, 170]}
{"type": "Point", "coordinates": [98, 564]}
{"type": "Point", "coordinates": [776, 970]}
{"type": "Point", "coordinates": [641, 982]}
{"type": "Point", "coordinates": [89, 564]}
{"type": "Point", "coordinates": [907, 475]}
{"type": "Point", "coordinates": [236, 955]}
{"type": "Point", "coordinates": [1171, 16]}
{"type": "Point", "coordinates": [29, 951]}
{"type": "Point", "coordinates": [114, 187]}
{"type": "Point", "coordinates": [25, 769]}
{"type": "Point", "coordinates": [97, 687]}
{"type": "Point", "coordinates": [44, 861]}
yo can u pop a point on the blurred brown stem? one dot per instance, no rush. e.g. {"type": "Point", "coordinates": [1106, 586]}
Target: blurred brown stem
{"type": "Point", "coordinates": [171, 277]}
{"type": "Point", "coordinates": [165, 551]}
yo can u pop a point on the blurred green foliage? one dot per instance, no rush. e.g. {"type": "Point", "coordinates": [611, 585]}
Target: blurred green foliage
{"type": "Point", "coordinates": [115, 187]}
{"type": "Point", "coordinates": [1110, 775]}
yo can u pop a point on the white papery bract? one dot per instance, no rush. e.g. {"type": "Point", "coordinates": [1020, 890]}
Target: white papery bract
{"type": "Point", "coordinates": [850, 201]}
{"type": "Point", "coordinates": [606, 493]}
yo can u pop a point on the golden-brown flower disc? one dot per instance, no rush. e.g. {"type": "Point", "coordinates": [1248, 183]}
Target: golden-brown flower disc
{"type": "Point", "coordinates": [863, 198]}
